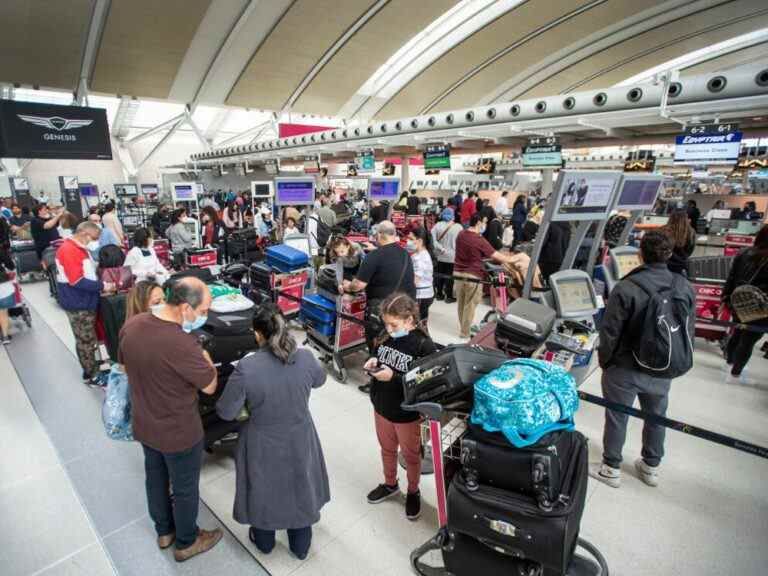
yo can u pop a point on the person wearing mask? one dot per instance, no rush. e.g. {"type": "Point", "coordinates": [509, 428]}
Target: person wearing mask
{"type": "Point", "coordinates": [79, 289]}
{"type": "Point", "coordinates": [494, 228]}
{"type": "Point", "coordinates": [412, 204]}
{"type": "Point", "coordinates": [232, 218]}
{"type": "Point", "coordinates": [167, 368]}
{"type": "Point", "coordinates": [444, 235]}
{"type": "Point", "coordinates": [290, 228]}
{"type": "Point", "coordinates": [468, 209]}
{"type": "Point", "coordinates": [379, 212]}
{"type": "Point", "coordinates": [471, 250]}
{"type": "Point", "coordinates": [180, 237]}
{"type": "Point", "coordinates": [420, 247]}
{"type": "Point", "coordinates": [502, 204]}
{"type": "Point", "coordinates": [554, 248]}
{"type": "Point", "coordinates": [749, 267]}
{"type": "Point", "coordinates": [386, 270]}
{"type": "Point", "coordinates": [401, 344]}
{"type": "Point", "coordinates": [67, 224]}
{"type": "Point", "coordinates": [693, 213]}
{"type": "Point", "coordinates": [109, 220]}
{"type": "Point", "coordinates": [146, 295]}
{"type": "Point", "coordinates": [212, 228]}
{"type": "Point", "coordinates": [281, 477]}
{"type": "Point", "coordinates": [142, 259]}
{"type": "Point", "coordinates": [519, 216]}
{"type": "Point", "coordinates": [621, 334]}
{"type": "Point", "coordinates": [683, 237]}
{"type": "Point", "coordinates": [44, 229]}
{"type": "Point", "coordinates": [161, 221]}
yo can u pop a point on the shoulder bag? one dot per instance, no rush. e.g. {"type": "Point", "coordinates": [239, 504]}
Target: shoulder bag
{"type": "Point", "coordinates": [748, 301]}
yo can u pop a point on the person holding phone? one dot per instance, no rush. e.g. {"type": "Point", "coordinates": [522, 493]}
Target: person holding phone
{"type": "Point", "coordinates": [401, 344]}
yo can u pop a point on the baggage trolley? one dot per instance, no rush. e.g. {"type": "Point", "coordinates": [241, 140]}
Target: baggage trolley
{"type": "Point", "coordinates": [21, 308]}
{"type": "Point", "coordinates": [446, 426]}
{"type": "Point", "coordinates": [347, 337]}
{"type": "Point", "coordinates": [498, 291]}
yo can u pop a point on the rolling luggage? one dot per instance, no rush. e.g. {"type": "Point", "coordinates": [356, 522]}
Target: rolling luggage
{"type": "Point", "coordinates": [448, 375]}
{"type": "Point", "coordinates": [524, 327]}
{"type": "Point", "coordinates": [201, 257]}
{"type": "Point", "coordinates": [327, 279]}
{"type": "Point", "coordinates": [286, 258]}
{"type": "Point", "coordinates": [203, 274]}
{"type": "Point", "coordinates": [231, 335]}
{"type": "Point", "coordinates": [261, 276]}
{"type": "Point", "coordinates": [25, 257]}
{"type": "Point", "coordinates": [319, 313]}
{"type": "Point", "coordinates": [488, 458]}
{"type": "Point", "coordinates": [494, 531]}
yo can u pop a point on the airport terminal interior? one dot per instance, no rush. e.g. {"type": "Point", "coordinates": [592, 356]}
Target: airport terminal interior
{"type": "Point", "coordinates": [257, 257]}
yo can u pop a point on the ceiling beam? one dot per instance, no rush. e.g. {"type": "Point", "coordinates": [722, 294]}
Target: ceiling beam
{"type": "Point", "coordinates": [91, 49]}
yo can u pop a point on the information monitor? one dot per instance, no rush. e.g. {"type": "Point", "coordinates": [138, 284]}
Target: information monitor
{"type": "Point", "coordinates": [639, 191]}
{"type": "Point", "coordinates": [584, 194]}
{"type": "Point", "coordinates": [624, 259]}
{"type": "Point", "coordinates": [294, 191]}
{"type": "Point", "coordinates": [574, 294]}
{"type": "Point", "coordinates": [383, 189]}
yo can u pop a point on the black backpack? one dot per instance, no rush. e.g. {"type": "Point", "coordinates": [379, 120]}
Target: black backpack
{"type": "Point", "coordinates": [323, 232]}
{"type": "Point", "coordinates": [665, 349]}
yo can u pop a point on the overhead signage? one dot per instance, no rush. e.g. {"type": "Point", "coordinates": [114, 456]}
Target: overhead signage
{"type": "Point", "coordinates": [150, 190]}
{"type": "Point", "coordinates": [708, 147]}
{"type": "Point", "coordinates": [126, 190]}
{"type": "Point", "coordinates": [351, 170]}
{"type": "Point", "coordinates": [69, 182]}
{"type": "Point", "coordinates": [271, 167]}
{"type": "Point", "coordinates": [20, 184]}
{"type": "Point", "coordinates": [485, 166]}
{"type": "Point", "coordinates": [437, 157]}
{"type": "Point", "coordinates": [645, 165]}
{"type": "Point", "coordinates": [389, 169]}
{"type": "Point", "coordinates": [366, 162]}
{"type": "Point", "coordinates": [311, 164]}
{"type": "Point", "coordinates": [32, 130]}
{"type": "Point", "coordinates": [542, 153]}
{"type": "Point", "coordinates": [699, 129]}
{"type": "Point", "coordinates": [89, 190]}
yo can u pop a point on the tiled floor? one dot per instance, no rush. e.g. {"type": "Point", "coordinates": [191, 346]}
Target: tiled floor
{"type": "Point", "coordinates": [708, 516]}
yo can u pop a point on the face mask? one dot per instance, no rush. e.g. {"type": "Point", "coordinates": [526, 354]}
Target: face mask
{"type": "Point", "coordinates": [156, 309]}
{"type": "Point", "coordinates": [410, 246]}
{"type": "Point", "coordinates": [93, 245]}
{"type": "Point", "coordinates": [399, 333]}
{"type": "Point", "coordinates": [482, 229]}
{"type": "Point", "coordinates": [198, 322]}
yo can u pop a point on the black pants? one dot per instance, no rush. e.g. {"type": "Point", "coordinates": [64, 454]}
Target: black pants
{"type": "Point", "coordinates": [740, 346]}
{"type": "Point", "coordinates": [373, 324]}
{"type": "Point", "coordinates": [444, 286]}
{"type": "Point", "coordinates": [183, 470]}
{"type": "Point", "coordinates": [424, 304]}
{"type": "Point", "coordinates": [299, 540]}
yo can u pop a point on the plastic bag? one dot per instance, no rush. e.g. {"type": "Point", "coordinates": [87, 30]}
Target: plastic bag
{"type": "Point", "coordinates": [116, 410]}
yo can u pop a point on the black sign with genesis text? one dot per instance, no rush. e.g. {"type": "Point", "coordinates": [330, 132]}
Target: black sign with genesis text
{"type": "Point", "coordinates": [32, 130]}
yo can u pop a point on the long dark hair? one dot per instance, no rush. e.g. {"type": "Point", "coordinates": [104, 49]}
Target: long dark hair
{"type": "Point", "coordinates": [212, 214]}
{"type": "Point", "coordinates": [421, 233]}
{"type": "Point", "coordinates": [176, 216]}
{"type": "Point", "coordinates": [402, 306]}
{"type": "Point", "coordinates": [269, 322]}
{"type": "Point", "coordinates": [679, 229]}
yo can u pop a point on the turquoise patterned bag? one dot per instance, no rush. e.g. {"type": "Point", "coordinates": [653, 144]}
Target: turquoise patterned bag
{"type": "Point", "coordinates": [525, 399]}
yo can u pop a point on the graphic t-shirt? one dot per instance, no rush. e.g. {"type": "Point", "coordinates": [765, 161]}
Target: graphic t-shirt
{"type": "Point", "coordinates": [398, 354]}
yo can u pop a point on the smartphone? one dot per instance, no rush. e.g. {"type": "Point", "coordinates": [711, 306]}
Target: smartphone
{"type": "Point", "coordinates": [373, 371]}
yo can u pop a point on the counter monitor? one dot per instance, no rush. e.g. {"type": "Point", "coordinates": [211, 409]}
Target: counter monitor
{"type": "Point", "coordinates": [294, 191]}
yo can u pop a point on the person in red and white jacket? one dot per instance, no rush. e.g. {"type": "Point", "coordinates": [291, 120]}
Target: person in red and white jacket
{"type": "Point", "coordinates": [79, 290]}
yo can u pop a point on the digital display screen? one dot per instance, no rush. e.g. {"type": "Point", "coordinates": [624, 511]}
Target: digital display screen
{"type": "Point", "coordinates": [126, 190]}
{"type": "Point", "coordinates": [436, 157]}
{"type": "Point", "coordinates": [261, 190]}
{"type": "Point", "coordinates": [384, 189]}
{"type": "Point", "coordinates": [585, 195]}
{"type": "Point", "coordinates": [184, 192]}
{"type": "Point", "coordinates": [294, 192]}
{"type": "Point", "coordinates": [638, 194]}
{"type": "Point", "coordinates": [574, 296]}
{"type": "Point", "coordinates": [20, 184]}
{"type": "Point", "coordinates": [625, 263]}
{"type": "Point", "coordinates": [90, 190]}
{"type": "Point", "coordinates": [149, 189]}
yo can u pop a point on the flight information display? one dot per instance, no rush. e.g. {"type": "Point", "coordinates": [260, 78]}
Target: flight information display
{"type": "Point", "coordinates": [383, 189]}
{"type": "Point", "coordinates": [294, 192]}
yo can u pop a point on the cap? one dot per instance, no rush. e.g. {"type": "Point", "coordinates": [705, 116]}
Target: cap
{"type": "Point", "coordinates": [447, 215]}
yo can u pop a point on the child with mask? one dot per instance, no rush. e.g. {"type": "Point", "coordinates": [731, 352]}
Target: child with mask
{"type": "Point", "coordinates": [395, 352]}
{"type": "Point", "coordinates": [420, 248]}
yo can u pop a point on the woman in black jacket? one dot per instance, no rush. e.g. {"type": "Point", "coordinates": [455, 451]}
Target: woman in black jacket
{"type": "Point", "coordinates": [494, 229]}
{"type": "Point", "coordinates": [519, 216]}
{"type": "Point", "coordinates": [749, 267]}
{"type": "Point", "coordinates": [683, 238]}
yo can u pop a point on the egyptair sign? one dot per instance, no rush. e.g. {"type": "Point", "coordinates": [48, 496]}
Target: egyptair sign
{"type": "Point", "coordinates": [708, 148]}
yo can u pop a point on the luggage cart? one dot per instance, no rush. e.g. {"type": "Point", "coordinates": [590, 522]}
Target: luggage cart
{"type": "Point", "coordinates": [21, 308]}
{"type": "Point", "coordinates": [347, 337]}
{"type": "Point", "coordinates": [708, 275]}
{"type": "Point", "coordinates": [498, 291]}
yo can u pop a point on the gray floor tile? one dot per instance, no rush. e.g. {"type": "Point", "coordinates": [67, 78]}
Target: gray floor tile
{"type": "Point", "coordinates": [134, 552]}
{"type": "Point", "coordinates": [92, 561]}
{"type": "Point", "coordinates": [41, 523]}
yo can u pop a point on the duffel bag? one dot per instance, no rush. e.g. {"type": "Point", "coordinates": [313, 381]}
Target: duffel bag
{"type": "Point", "coordinates": [525, 399]}
{"type": "Point", "coordinates": [448, 375]}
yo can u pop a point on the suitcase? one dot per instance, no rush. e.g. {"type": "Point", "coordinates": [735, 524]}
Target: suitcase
{"type": "Point", "coordinates": [319, 313]}
{"type": "Point", "coordinates": [261, 276]}
{"type": "Point", "coordinates": [524, 327]}
{"type": "Point", "coordinates": [231, 335]}
{"type": "Point", "coordinates": [286, 258]}
{"type": "Point", "coordinates": [201, 257]}
{"type": "Point", "coordinates": [488, 458]}
{"type": "Point", "coordinates": [494, 531]}
{"type": "Point", "coordinates": [327, 279]}
{"type": "Point", "coordinates": [448, 375]}
{"type": "Point", "coordinates": [203, 274]}
{"type": "Point", "coordinates": [25, 257]}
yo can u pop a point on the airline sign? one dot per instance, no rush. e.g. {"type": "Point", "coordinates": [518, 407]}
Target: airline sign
{"type": "Point", "coordinates": [712, 145]}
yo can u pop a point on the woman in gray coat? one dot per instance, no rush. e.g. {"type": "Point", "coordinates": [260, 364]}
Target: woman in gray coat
{"type": "Point", "coordinates": [282, 481]}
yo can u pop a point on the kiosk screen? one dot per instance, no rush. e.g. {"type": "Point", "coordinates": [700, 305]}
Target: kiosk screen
{"type": "Point", "coordinates": [575, 296]}
{"type": "Point", "coordinates": [638, 193]}
{"type": "Point", "coordinates": [625, 263]}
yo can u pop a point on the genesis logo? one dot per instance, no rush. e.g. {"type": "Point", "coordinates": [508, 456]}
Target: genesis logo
{"type": "Point", "coordinates": [55, 122]}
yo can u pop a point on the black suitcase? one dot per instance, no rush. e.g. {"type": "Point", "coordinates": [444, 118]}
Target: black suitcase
{"type": "Point", "coordinates": [261, 276]}
{"type": "Point", "coordinates": [231, 335]}
{"type": "Point", "coordinates": [25, 256]}
{"type": "Point", "coordinates": [494, 531]}
{"type": "Point", "coordinates": [203, 274]}
{"type": "Point", "coordinates": [327, 279]}
{"type": "Point", "coordinates": [524, 327]}
{"type": "Point", "coordinates": [489, 458]}
{"type": "Point", "coordinates": [448, 375]}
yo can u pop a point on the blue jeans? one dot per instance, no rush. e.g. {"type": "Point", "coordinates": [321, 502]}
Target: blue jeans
{"type": "Point", "coordinates": [182, 469]}
{"type": "Point", "coordinates": [299, 540]}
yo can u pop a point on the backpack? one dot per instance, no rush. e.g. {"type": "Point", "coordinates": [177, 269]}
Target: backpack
{"type": "Point", "coordinates": [323, 232]}
{"type": "Point", "coordinates": [666, 346]}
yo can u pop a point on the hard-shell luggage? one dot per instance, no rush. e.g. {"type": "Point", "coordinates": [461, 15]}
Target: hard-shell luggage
{"type": "Point", "coordinates": [201, 257]}
{"type": "Point", "coordinates": [203, 274]}
{"type": "Point", "coordinates": [327, 279]}
{"type": "Point", "coordinates": [231, 335]}
{"type": "Point", "coordinates": [524, 327]}
{"type": "Point", "coordinates": [319, 313]}
{"type": "Point", "coordinates": [489, 458]}
{"type": "Point", "coordinates": [449, 374]}
{"type": "Point", "coordinates": [286, 259]}
{"type": "Point", "coordinates": [261, 276]}
{"type": "Point", "coordinates": [25, 257]}
{"type": "Point", "coordinates": [494, 531]}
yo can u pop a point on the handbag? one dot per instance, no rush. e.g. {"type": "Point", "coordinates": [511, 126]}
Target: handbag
{"type": "Point", "coordinates": [116, 409]}
{"type": "Point", "coordinates": [525, 399]}
{"type": "Point", "coordinates": [121, 277]}
{"type": "Point", "coordinates": [748, 301]}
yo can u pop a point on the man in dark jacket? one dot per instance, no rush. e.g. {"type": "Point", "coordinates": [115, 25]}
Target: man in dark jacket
{"type": "Point", "coordinates": [621, 333]}
{"type": "Point", "coordinates": [554, 248]}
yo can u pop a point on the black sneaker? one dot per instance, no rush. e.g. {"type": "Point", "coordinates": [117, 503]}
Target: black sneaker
{"type": "Point", "coordinates": [439, 297]}
{"type": "Point", "coordinates": [450, 300]}
{"type": "Point", "coordinates": [382, 492]}
{"type": "Point", "coordinates": [6, 340]}
{"type": "Point", "coordinates": [365, 388]}
{"type": "Point", "coordinates": [413, 506]}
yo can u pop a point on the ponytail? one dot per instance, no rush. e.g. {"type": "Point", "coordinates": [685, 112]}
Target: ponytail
{"type": "Point", "coordinates": [269, 322]}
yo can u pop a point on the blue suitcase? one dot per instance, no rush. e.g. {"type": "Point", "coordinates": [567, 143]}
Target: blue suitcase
{"type": "Point", "coordinates": [323, 328]}
{"type": "Point", "coordinates": [319, 313]}
{"type": "Point", "coordinates": [286, 259]}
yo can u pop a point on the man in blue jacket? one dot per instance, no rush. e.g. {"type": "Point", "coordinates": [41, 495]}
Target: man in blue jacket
{"type": "Point", "coordinates": [79, 291]}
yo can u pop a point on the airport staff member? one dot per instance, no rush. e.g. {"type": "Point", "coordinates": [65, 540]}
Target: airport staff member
{"type": "Point", "coordinates": [471, 250]}
{"type": "Point", "coordinates": [166, 369]}
{"type": "Point", "coordinates": [386, 270]}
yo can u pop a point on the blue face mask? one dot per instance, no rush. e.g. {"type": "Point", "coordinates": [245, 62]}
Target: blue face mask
{"type": "Point", "coordinates": [198, 322]}
{"type": "Point", "coordinates": [399, 333]}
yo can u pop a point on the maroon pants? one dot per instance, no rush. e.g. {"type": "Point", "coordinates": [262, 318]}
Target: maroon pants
{"type": "Point", "coordinates": [408, 437]}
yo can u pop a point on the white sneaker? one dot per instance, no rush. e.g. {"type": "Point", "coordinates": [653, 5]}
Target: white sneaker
{"type": "Point", "coordinates": [605, 474]}
{"type": "Point", "coordinates": [648, 474]}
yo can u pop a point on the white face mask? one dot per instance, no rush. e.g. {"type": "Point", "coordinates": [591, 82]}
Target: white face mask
{"type": "Point", "coordinates": [93, 245]}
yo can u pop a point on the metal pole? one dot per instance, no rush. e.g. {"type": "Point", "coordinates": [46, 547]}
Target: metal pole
{"type": "Point", "coordinates": [160, 144]}
{"type": "Point", "coordinates": [197, 132]}
{"type": "Point", "coordinates": [156, 129]}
